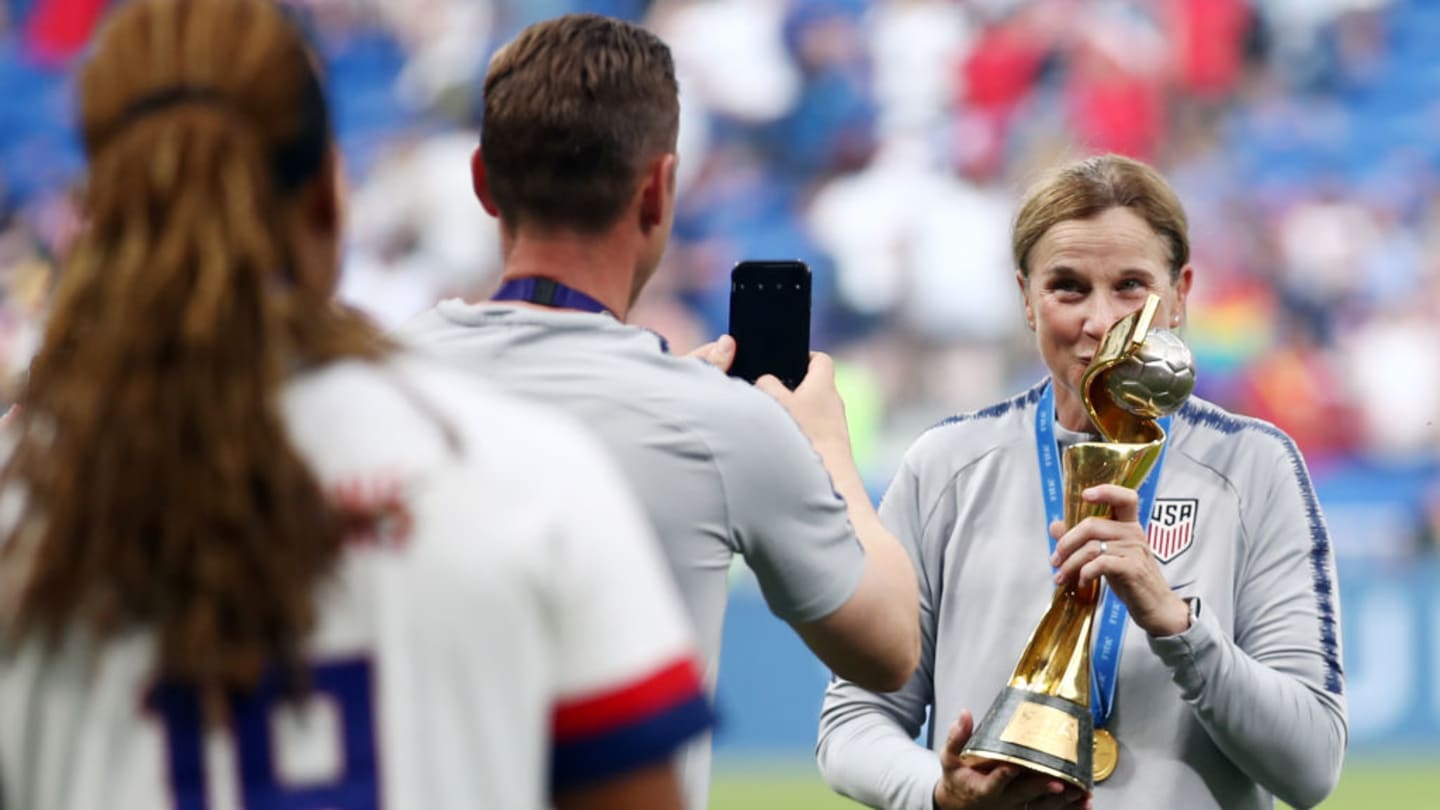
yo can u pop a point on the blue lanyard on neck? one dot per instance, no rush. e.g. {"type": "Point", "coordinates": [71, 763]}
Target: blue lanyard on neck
{"type": "Point", "coordinates": [1112, 615]}
{"type": "Point", "coordinates": [548, 293]}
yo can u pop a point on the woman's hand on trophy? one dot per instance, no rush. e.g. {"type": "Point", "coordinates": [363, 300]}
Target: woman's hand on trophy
{"type": "Point", "coordinates": [989, 785]}
{"type": "Point", "coordinates": [1116, 548]}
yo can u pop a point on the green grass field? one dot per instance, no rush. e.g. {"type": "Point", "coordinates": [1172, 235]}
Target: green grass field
{"type": "Point", "coordinates": [1365, 785]}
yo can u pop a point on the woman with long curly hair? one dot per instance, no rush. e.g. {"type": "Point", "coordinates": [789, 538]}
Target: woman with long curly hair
{"type": "Point", "coordinates": [252, 555]}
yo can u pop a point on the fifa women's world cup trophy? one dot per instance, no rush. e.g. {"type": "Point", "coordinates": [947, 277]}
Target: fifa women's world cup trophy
{"type": "Point", "coordinates": [1042, 720]}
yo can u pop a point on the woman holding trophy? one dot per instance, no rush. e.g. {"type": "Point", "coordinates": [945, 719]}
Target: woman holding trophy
{"type": "Point", "coordinates": [1205, 671]}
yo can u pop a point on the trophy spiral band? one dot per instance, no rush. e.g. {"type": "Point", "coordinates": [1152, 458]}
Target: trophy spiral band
{"type": "Point", "coordinates": [1041, 719]}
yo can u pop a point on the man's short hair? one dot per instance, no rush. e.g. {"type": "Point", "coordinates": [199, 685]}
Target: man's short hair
{"type": "Point", "coordinates": [575, 107]}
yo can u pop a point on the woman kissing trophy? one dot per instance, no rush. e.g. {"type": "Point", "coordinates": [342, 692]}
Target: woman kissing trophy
{"type": "Point", "coordinates": [1042, 720]}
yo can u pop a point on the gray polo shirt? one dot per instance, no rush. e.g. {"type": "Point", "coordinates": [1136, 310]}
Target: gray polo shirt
{"type": "Point", "coordinates": [721, 468]}
{"type": "Point", "coordinates": [1246, 705]}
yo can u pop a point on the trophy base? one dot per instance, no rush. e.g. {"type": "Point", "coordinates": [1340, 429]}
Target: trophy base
{"type": "Point", "coordinates": [1043, 733]}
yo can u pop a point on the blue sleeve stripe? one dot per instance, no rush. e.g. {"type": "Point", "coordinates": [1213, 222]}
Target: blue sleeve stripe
{"type": "Point", "coordinates": [1320, 554]}
{"type": "Point", "coordinates": [629, 747]}
{"type": "Point", "coordinates": [1323, 585]}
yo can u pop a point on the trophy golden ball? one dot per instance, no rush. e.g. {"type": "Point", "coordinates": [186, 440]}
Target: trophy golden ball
{"type": "Point", "coordinates": [1155, 379]}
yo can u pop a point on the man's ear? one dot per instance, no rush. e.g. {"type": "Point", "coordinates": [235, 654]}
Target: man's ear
{"type": "Point", "coordinates": [481, 183]}
{"type": "Point", "coordinates": [657, 191]}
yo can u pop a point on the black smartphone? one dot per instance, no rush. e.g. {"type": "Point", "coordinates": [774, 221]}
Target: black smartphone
{"type": "Point", "coordinates": [770, 320]}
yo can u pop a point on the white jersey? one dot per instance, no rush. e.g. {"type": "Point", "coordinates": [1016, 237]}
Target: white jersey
{"type": "Point", "coordinates": [1246, 705]}
{"type": "Point", "coordinates": [500, 625]}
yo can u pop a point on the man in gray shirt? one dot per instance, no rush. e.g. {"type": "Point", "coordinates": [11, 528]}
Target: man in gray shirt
{"type": "Point", "coordinates": [577, 161]}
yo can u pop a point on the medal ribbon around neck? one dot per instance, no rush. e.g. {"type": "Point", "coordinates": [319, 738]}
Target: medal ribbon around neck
{"type": "Point", "coordinates": [1112, 615]}
{"type": "Point", "coordinates": [547, 293]}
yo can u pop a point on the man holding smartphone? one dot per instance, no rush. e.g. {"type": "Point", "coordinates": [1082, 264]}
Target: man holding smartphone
{"type": "Point", "coordinates": [577, 160]}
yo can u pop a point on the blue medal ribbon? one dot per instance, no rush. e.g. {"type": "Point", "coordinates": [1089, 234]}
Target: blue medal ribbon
{"type": "Point", "coordinates": [1112, 615]}
{"type": "Point", "coordinates": [548, 293]}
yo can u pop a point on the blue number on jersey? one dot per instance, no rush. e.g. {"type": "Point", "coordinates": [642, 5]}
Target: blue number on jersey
{"type": "Point", "coordinates": [348, 683]}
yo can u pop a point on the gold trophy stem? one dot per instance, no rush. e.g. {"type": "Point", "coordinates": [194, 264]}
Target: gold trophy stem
{"type": "Point", "coordinates": [1042, 720]}
{"type": "Point", "coordinates": [1057, 659]}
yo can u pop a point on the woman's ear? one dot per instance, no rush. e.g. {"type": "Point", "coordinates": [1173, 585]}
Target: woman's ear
{"type": "Point", "coordinates": [1182, 292]}
{"type": "Point", "coordinates": [319, 203]}
{"type": "Point", "coordinates": [1024, 283]}
{"type": "Point", "coordinates": [317, 223]}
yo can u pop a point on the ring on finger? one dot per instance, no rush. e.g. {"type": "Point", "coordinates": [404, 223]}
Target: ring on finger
{"type": "Point", "coordinates": [1104, 547]}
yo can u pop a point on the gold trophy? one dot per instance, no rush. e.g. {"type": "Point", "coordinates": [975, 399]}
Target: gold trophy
{"type": "Point", "coordinates": [1042, 721]}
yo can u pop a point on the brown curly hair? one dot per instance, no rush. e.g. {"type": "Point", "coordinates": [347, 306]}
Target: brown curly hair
{"type": "Point", "coordinates": [160, 488]}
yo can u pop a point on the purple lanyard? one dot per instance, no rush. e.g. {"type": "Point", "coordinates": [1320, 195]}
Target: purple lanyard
{"type": "Point", "coordinates": [547, 293]}
{"type": "Point", "coordinates": [550, 293]}
{"type": "Point", "coordinates": [1112, 615]}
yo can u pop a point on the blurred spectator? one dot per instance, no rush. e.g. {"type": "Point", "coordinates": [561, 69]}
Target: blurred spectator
{"type": "Point", "coordinates": [1297, 25]}
{"type": "Point", "coordinates": [1115, 90]}
{"type": "Point", "coordinates": [998, 75]}
{"type": "Point", "coordinates": [1294, 385]}
{"type": "Point", "coordinates": [883, 141]}
{"type": "Point", "coordinates": [916, 45]}
{"type": "Point", "coordinates": [58, 29]}
{"type": "Point", "coordinates": [731, 65]}
{"type": "Point", "coordinates": [832, 125]}
{"type": "Point", "coordinates": [1392, 369]}
{"type": "Point", "coordinates": [441, 39]}
{"type": "Point", "coordinates": [1209, 38]}
{"type": "Point", "coordinates": [732, 57]}
{"type": "Point", "coordinates": [1323, 242]}
{"type": "Point", "coordinates": [927, 247]}
{"type": "Point", "coordinates": [416, 231]}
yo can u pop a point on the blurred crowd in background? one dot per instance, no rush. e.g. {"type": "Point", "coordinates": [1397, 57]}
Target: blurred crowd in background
{"type": "Point", "coordinates": [885, 142]}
